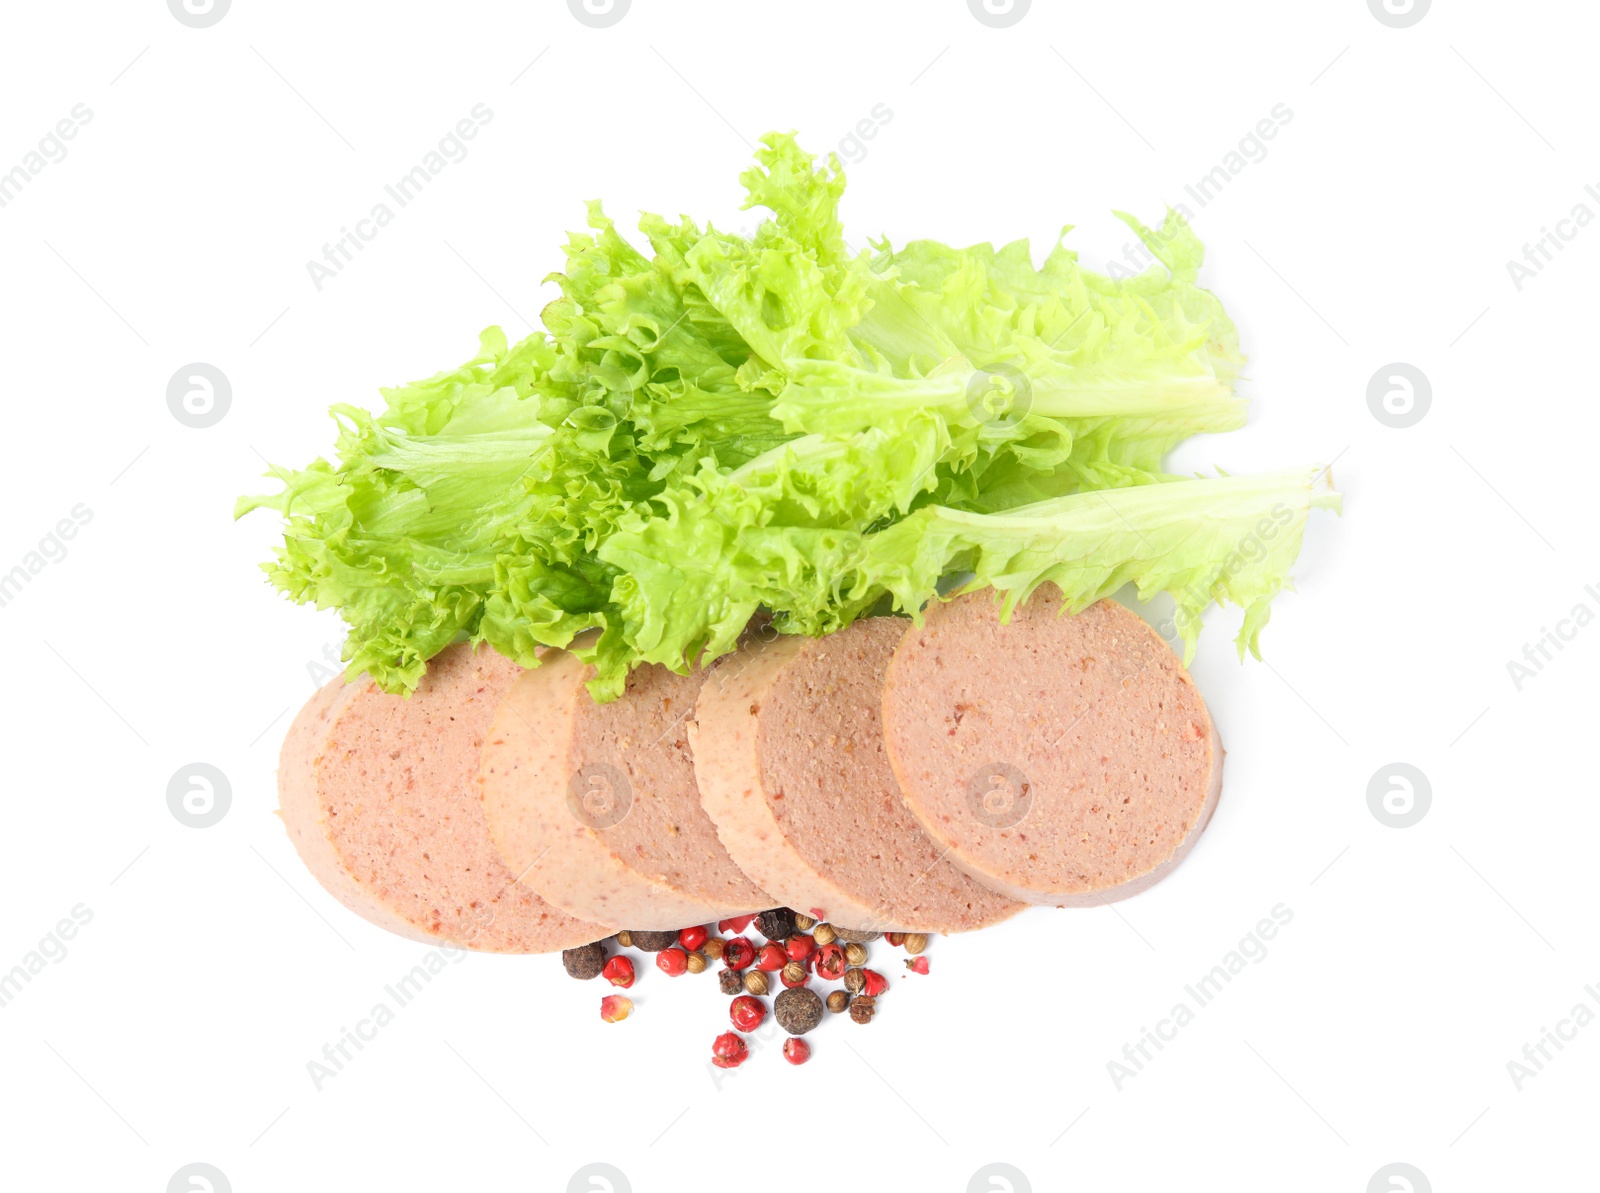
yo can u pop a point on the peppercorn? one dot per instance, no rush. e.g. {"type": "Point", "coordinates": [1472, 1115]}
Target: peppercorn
{"type": "Point", "coordinates": [728, 1051]}
{"type": "Point", "coordinates": [776, 923]}
{"type": "Point", "coordinates": [830, 963]}
{"type": "Point", "coordinates": [737, 924]}
{"type": "Point", "coordinates": [839, 1002]}
{"type": "Point", "coordinates": [855, 980]}
{"type": "Point", "coordinates": [855, 954]}
{"type": "Point", "coordinates": [796, 1051]}
{"type": "Point", "coordinates": [804, 922]}
{"type": "Point", "coordinates": [798, 1010]}
{"type": "Point", "coordinates": [693, 938]}
{"type": "Point", "coordinates": [585, 961]}
{"type": "Point", "coordinates": [696, 963]}
{"type": "Point", "coordinates": [738, 953]}
{"type": "Point", "coordinates": [823, 934]}
{"type": "Point", "coordinates": [896, 939]}
{"type": "Point", "coordinates": [876, 983]}
{"type": "Point", "coordinates": [731, 981]}
{"type": "Point", "coordinates": [713, 948]}
{"type": "Point", "coordinates": [852, 936]}
{"type": "Point", "coordinates": [672, 962]}
{"type": "Point", "coordinates": [799, 946]}
{"type": "Point", "coordinates": [747, 1013]}
{"type": "Point", "coordinates": [862, 1009]}
{"type": "Point", "coordinates": [614, 1008]}
{"type": "Point", "coordinates": [625, 939]}
{"type": "Point", "coordinates": [916, 942]}
{"type": "Point", "coordinates": [917, 964]}
{"type": "Point", "coordinates": [653, 942]}
{"type": "Point", "coordinates": [755, 982]}
{"type": "Point", "coordinates": [619, 971]}
{"type": "Point", "coordinates": [771, 957]}
{"type": "Point", "coordinates": [794, 974]}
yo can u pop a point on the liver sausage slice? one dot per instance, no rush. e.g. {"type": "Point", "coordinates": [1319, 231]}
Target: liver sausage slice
{"type": "Point", "coordinates": [380, 798]}
{"type": "Point", "coordinates": [595, 805]}
{"type": "Point", "coordinates": [1066, 760]}
{"type": "Point", "coordinates": [788, 747]}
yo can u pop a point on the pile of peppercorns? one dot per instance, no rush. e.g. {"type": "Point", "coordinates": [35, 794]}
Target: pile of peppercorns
{"type": "Point", "coordinates": [795, 948]}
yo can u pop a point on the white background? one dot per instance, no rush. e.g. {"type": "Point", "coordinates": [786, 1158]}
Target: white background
{"type": "Point", "coordinates": [1377, 229]}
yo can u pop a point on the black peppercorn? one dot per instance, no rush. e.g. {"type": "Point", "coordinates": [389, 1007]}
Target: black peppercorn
{"type": "Point", "coordinates": [731, 981]}
{"type": "Point", "coordinates": [861, 1009]}
{"type": "Point", "coordinates": [776, 924]}
{"type": "Point", "coordinates": [652, 942]}
{"type": "Point", "coordinates": [585, 961]}
{"type": "Point", "coordinates": [798, 1010]}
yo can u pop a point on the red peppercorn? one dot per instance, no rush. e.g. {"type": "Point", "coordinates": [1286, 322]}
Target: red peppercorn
{"type": "Point", "coordinates": [728, 1051]}
{"type": "Point", "coordinates": [738, 953]}
{"type": "Point", "coordinates": [917, 965]}
{"type": "Point", "coordinates": [796, 1051]}
{"type": "Point", "coordinates": [876, 983]}
{"type": "Point", "coordinates": [672, 962]}
{"type": "Point", "coordinates": [772, 957]}
{"type": "Point", "coordinates": [614, 1008]}
{"type": "Point", "coordinates": [747, 1012]}
{"type": "Point", "coordinates": [693, 938]}
{"type": "Point", "coordinates": [619, 972]}
{"type": "Point", "coordinates": [895, 939]}
{"type": "Point", "coordinates": [831, 963]}
{"type": "Point", "coordinates": [737, 924]}
{"type": "Point", "coordinates": [800, 946]}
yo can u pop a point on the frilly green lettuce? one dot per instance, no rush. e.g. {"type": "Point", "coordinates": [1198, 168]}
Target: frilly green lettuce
{"type": "Point", "coordinates": [724, 425]}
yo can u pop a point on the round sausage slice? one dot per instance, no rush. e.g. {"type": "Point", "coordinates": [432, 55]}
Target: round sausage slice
{"type": "Point", "coordinates": [788, 749]}
{"type": "Point", "coordinates": [1066, 760]}
{"type": "Point", "coordinates": [595, 805]}
{"type": "Point", "coordinates": [380, 798]}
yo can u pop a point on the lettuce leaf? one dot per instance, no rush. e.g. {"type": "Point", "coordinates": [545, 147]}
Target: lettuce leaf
{"type": "Point", "coordinates": [717, 424]}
